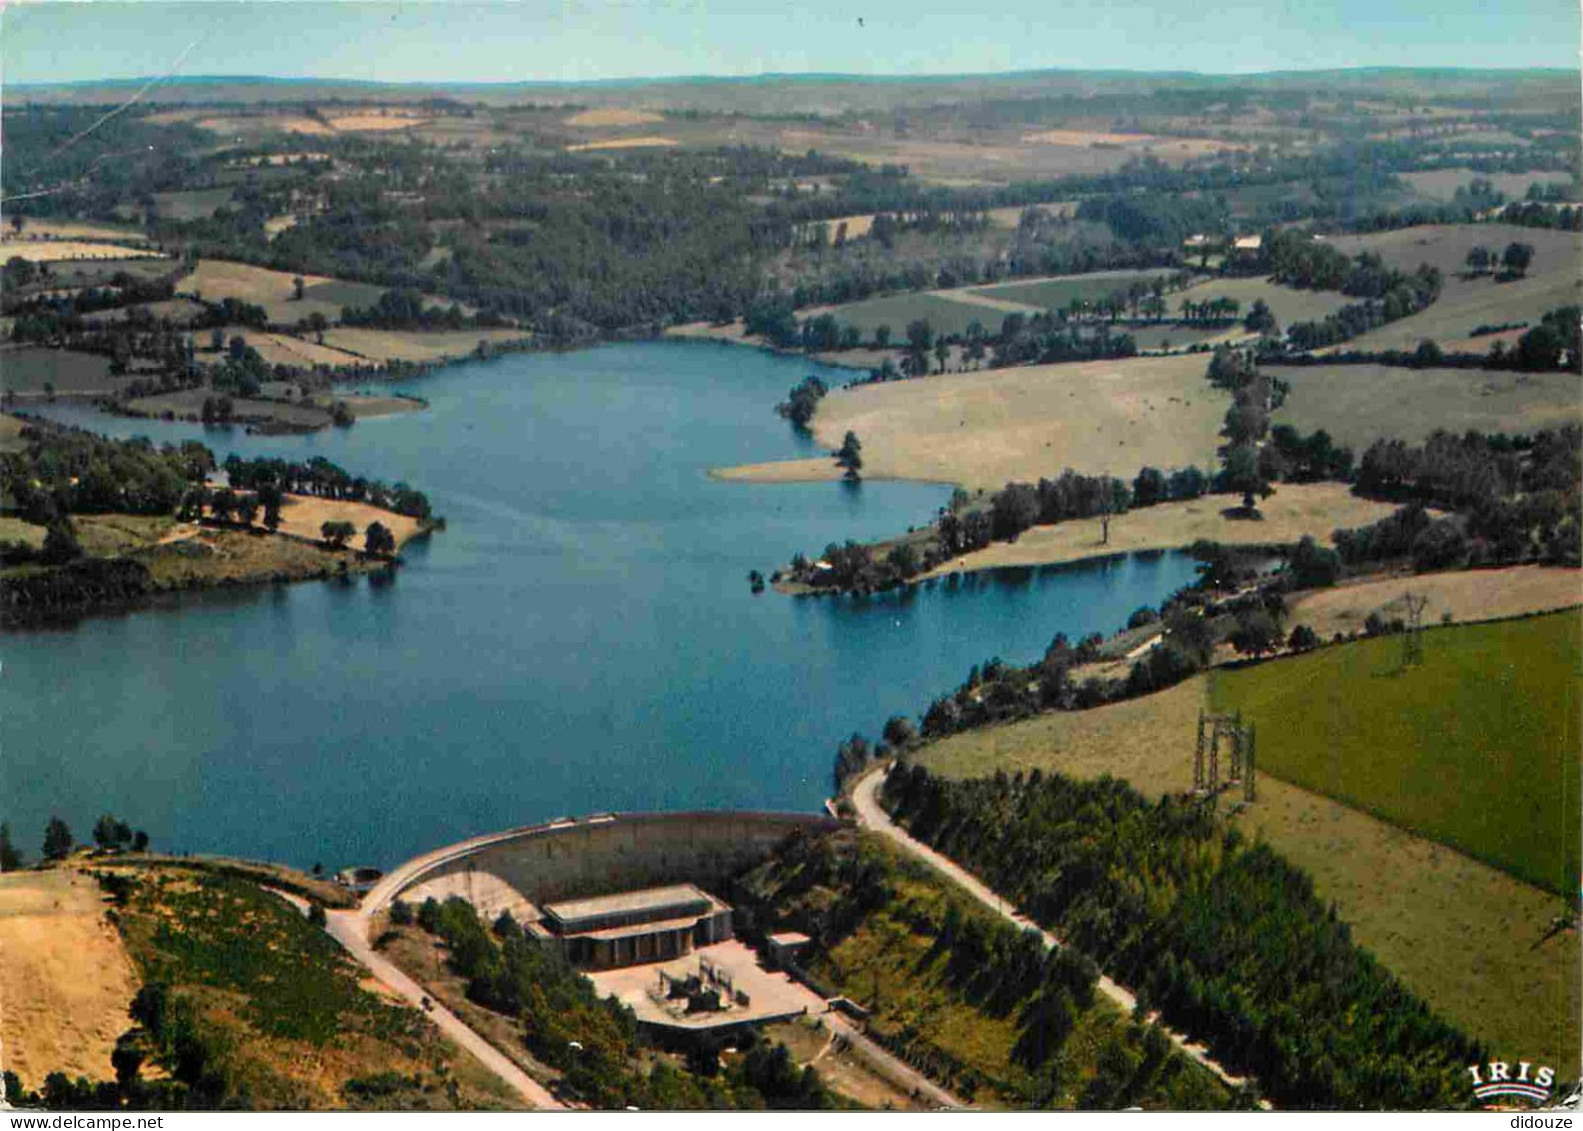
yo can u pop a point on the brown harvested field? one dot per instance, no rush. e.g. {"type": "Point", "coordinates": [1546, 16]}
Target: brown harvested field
{"type": "Point", "coordinates": [1466, 303]}
{"type": "Point", "coordinates": [648, 141]}
{"type": "Point", "coordinates": [1471, 595]}
{"type": "Point", "coordinates": [52, 251]}
{"type": "Point", "coordinates": [377, 123]}
{"type": "Point", "coordinates": [1294, 510]}
{"type": "Point", "coordinates": [416, 345]}
{"type": "Point", "coordinates": [613, 116]}
{"type": "Point", "coordinates": [65, 982]}
{"type": "Point", "coordinates": [302, 515]}
{"type": "Point", "coordinates": [1289, 304]}
{"type": "Point", "coordinates": [1358, 404]}
{"type": "Point", "coordinates": [987, 429]}
{"type": "Point", "coordinates": [1458, 932]}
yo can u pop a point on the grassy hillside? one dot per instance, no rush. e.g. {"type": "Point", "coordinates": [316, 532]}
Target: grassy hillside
{"type": "Point", "coordinates": [1477, 747]}
{"type": "Point", "coordinates": [960, 993]}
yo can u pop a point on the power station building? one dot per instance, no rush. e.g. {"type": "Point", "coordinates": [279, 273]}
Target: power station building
{"type": "Point", "coordinates": [634, 927]}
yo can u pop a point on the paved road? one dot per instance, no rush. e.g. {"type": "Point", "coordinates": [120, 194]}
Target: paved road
{"type": "Point", "coordinates": [870, 815]}
{"type": "Point", "coordinates": [350, 929]}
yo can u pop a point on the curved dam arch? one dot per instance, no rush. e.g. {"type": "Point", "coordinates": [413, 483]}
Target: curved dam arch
{"type": "Point", "coordinates": [593, 855]}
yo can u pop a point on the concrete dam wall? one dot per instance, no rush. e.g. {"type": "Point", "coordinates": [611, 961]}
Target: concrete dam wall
{"type": "Point", "coordinates": [593, 856]}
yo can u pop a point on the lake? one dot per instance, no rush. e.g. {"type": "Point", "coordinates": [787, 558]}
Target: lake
{"type": "Point", "coordinates": [581, 638]}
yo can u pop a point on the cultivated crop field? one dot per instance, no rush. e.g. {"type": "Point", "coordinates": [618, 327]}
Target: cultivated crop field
{"type": "Point", "coordinates": [1477, 747]}
{"type": "Point", "coordinates": [1358, 404]}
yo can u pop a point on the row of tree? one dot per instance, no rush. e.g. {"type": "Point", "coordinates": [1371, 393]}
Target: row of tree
{"type": "Point", "coordinates": [1228, 940]}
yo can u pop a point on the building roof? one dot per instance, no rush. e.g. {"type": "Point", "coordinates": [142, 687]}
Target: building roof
{"type": "Point", "coordinates": [1249, 243]}
{"type": "Point", "coordinates": [790, 938]}
{"type": "Point", "coordinates": [647, 905]}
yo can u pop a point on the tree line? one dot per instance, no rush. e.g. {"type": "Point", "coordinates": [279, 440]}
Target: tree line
{"type": "Point", "coordinates": [1225, 938]}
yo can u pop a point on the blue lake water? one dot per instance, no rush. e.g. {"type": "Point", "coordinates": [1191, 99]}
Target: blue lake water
{"type": "Point", "coordinates": [582, 638]}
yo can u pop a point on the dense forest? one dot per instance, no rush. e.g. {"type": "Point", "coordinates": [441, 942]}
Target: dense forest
{"type": "Point", "coordinates": [1226, 939]}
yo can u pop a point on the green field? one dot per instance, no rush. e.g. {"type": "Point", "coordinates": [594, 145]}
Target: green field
{"type": "Point", "coordinates": [1058, 292]}
{"type": "Point", "coordinates": [191, 204]}
{"type": "Point", "coordinates": [896, 311]}
{"type": "Point", "coordinates": [29, 369]}
{"type": "Point", "coordinates": [1476, 748]}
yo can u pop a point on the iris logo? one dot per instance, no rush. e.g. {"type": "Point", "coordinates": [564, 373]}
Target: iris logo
{"type": "Point", "coordinates": [1497, 1079]}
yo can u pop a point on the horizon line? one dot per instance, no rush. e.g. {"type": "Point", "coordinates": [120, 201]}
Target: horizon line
{"type": "Point", "coordinates": [825, 76]}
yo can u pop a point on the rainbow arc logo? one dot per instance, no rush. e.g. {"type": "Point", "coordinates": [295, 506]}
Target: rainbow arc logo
{"type": "Point", "coordinates": [1497, 1079]}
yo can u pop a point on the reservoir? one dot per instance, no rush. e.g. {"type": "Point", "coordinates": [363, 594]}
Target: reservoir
{"type": "Point", "coordinates": [582, 637]}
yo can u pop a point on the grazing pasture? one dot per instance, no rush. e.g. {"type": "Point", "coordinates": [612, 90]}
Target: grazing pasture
{"type": "Point", "coordinates": [187, 404]}
{"type": "Point", "coordinates": [1442, 184]}
{"type": "Point", "coordinates": [1289, 304]}
{"type": "Point", "coordinates": [1476, 747]}
{"type": "Point", "coordinates": [1466, 303]}
{"type": "Point", "coordinates": [99, 272]}
{"type": "Point", "coordinates": [287, 349]}
{"type": "Point", "coordinates": [217, 279]}
{"type": "Point", "coordinates": [1294, 510]}
{"type": "Point", "coordinates": [1358, 404]}
{"type": "Point", "coordinates": [1469, 595]}
{"type": "Point", "coordinates": [988, 428]}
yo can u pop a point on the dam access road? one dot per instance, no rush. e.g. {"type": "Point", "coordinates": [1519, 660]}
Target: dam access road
{"type": "Point", "coordinates": [872, 816]}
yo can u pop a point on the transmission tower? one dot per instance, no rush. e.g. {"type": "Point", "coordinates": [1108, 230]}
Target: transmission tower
{"type": "Point", "coordinates": [1413, 639]}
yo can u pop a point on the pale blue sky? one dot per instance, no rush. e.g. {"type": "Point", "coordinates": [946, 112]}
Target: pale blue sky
{"type": "Point", "coordinates": [61, 40]}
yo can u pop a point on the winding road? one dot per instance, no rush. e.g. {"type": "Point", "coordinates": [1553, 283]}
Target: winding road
{"type": "Point", "coordinates": [871, 816]}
